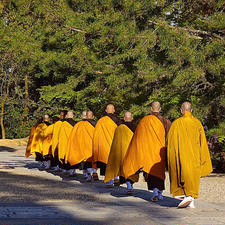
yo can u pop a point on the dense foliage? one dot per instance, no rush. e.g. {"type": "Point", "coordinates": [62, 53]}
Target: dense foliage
{"type": "Point", "coordinates": [60, 54]}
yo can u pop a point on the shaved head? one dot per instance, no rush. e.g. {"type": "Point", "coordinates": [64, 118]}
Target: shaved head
{"type": "Point", "coordinates": [110, 108]}
{"type": "Point", "coordinates": [84, 115]}
{"type": "Point", "coordinates": [90, 115]}
{"type": "Point", "coordinates": [46, 117]}
{"type": "Point", "coordinates": [186, 107]}
{"type": "Point", "coordinates": [63, 114]}
{"type": "Point", "coordinates": [128, 117]}
{"type": "Point", "coordinates": [70, 114]}
{"type": "Point", "coordinates": [155, 106]}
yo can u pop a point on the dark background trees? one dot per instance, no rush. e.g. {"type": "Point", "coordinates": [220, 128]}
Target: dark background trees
{"type": "Point", "coordinates": [85, 54]}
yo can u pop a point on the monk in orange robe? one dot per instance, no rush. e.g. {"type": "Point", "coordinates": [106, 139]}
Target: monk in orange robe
{"type": "Point", "coordinates": [64, 134]}
{"type": "Point", "coordinates": [37, 142]}
{"type": "Point", "coordinates": [32, 131]}
{"type": "Point", "coordinates": [103, 136]}
{"type": "Point", "coordinates": [79, 148]}
{"type": "Point", "coordinates": [147, 151]}
{"type": "Point", "coordinates": [47, 143]}
{"type": "Point", "coordinates": [188, 156]}
{"type": "Point", "coordinates": [55, 141]}
{"type": "Point", "coordinates": [120, 144]}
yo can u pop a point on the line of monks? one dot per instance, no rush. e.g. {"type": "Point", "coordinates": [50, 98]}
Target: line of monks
{"type": "Point", "coordinates": [121, 150]}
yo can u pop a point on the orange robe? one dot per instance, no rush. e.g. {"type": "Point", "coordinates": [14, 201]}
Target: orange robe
{"type": "Point", "coordinates": [47, 142]}
{"type": "Point", "coordinates": [37, 142]}
{"type": "Point", "coordinates": [55, 136]}
{"type": "Point", "coordinates": [121, 141]}
{"type": "Point", "coordinates": [188, 156]}
{"type": "Point", "coordinates": [32, 131]}
{"type": "Point", "coordinates": [64, 134]}
{"type": "Point", "coordinates": [146, 151]}
{"type": "Point", "coordinates": [79, 146]}
{"type": "Point", "coordinates": [102, 140]}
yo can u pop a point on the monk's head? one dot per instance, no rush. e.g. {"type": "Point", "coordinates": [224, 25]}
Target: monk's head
{"type": "Point", "coordinates": [63, 114]}
{"type": "Point", "coordinates": [128, 117]}
{"type": "Point", "coordinates": [70, 114]}
{"type": "Point", "coordinates": [186, 107]}
{"type": "Point", "coordinates": [90, 115]}
{"type": "Point", "coordinates": [84, 115]}
{"type": "Point", "coordinates": [155, 106]}
{"type": "Point", "coordinates": [110, 108]}
{"type": "Point", "coordinates": [46, 118]}
{"type": "Point", "coordinates": [40, 119]}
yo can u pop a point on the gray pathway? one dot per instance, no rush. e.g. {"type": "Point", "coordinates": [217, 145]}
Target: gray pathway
{"type": "Point", "coordinates": [31, 196]}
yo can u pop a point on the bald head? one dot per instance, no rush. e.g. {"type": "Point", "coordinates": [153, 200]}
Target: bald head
{"type": "Point", "coordinates": [63, 114]}
{"type": "Point", "coordinates": [128, 117]}
{"type": "Point", "coordinates": [46, 118]}
{"type": "Point", "coordinates": [90, 115]}
{"type": "Point", "coordinates": [70, 114]}
{"type": "Point", "coordinates": [110, 108]}
{"type": "Point", "coordinates": [155, 106]}
{"type": "Point", "coordinates": [186, 107]}
{"type": "Point", "coordinates": [84, 115]}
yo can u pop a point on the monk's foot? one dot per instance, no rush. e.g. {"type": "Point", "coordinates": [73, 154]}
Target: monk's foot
{"type": "Point", "coordinates": [186, 202]}
{"type": "Point", "coordinates": [116, 183]}
{"type": "Point", "coordinates": [95, 177]}
{"type": "Point", "coordinates": [89, 178]}
{"type": "Point", "coordinates": [181, 197]}
{"type": "Point", "coordinates": [155, 198]}
{"type": "Point", "coordinates": [130, 191]}
{"type": "Point", "coordinates": [191, 205]}
{"type": "Point", "coordinates": [160, 196]}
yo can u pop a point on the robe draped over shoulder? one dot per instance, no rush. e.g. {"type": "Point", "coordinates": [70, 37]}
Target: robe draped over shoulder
{"type": "Point", "coordinates": [102, 140]}
{"type": "Point", "coordinates": [120, 143]}
{"type": "Point", "coordinates": [79, 146]}
{"type": "Point", "coordinates": [188, 156]}
{"type": "Point", "coordinates": [146, 151]}
{"type": "Point", "coordinates": [64, 134]}
{"type": "Point", "coordinates": [55, 136]}
{"type": "Point", "coordinates": [28, 148]}
{"type": "Point", "coordinates": [37, 142]}
{"type": "Point", "coordinates": [47, 142]}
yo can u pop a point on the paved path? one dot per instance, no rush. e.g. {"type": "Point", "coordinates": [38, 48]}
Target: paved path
{"type": "Point", "coordinates": [31, 196]}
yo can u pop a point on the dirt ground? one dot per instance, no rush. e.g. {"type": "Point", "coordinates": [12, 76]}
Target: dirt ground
{"type": "Point", "coordinates": [23, 187]}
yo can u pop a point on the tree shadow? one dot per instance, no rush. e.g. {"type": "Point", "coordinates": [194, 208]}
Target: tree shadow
{"type": "Point", "coordinates": [7, 149]}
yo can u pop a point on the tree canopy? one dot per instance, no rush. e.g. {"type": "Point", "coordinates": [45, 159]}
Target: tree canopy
{"type": "Point", "coordinates": [61, 54]}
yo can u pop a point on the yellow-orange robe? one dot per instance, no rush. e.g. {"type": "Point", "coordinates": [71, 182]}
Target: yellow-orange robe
{"type": "Point", "coordinates": [37, 142]}
{"type": "Point", "coordinates": [146, 151]}
{"type": "Point", "coordinates": [102, 140]}
{"type": "Point", "coordinates": [120, 143]}
{"type": "Point", "coordinates": [32, 131]}
{"type": "Point", "coordinates": [55, 136]}
{"type": "Point", "coordinates": [79, 146]}
{"type": "Point", "coordinates": [47, 142]}
{"type": "Point", "coordinates": [188, 156]}
{"type": "Point", "coordinates": [64, 134]}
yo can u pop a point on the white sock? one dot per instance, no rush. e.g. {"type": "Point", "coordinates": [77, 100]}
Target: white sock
{"type": "Point", "coordinates": [191, 205]}
{"type": "Point", "coordinates": [89, 170]}
{"type": "Point", "coordinates": [129, 185]}
{"type": "Point", "coordinates": [155, 192]}
{"type": "Point", "coordinates": [117, 178]}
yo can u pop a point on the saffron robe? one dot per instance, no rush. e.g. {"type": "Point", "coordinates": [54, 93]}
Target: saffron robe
{"type": "Point", "coordinates": [37, 142]}
{"type": "Point", "coordinates": [47, 142]}
{"type": "Point", "coordinates": [55, 136]}
{"type": "Point", "coordinates": [120, 143]}
{"type": "Point", "coordinates": [146, 151]}
{"type": "Point", "coordinates": [64, 134]}
{"type": "Point", "coordinates": [32, 132]}
{"type": "Point", "coordinates": [102, 139]}
{"type": "Point", "coordinates": [79, 146]}
{"type": "Point", "coordinates": [188, 156]}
